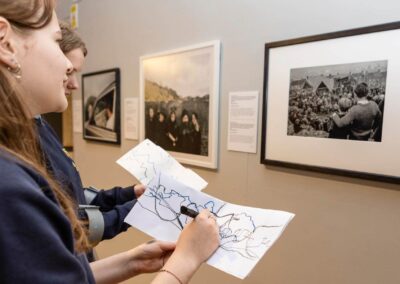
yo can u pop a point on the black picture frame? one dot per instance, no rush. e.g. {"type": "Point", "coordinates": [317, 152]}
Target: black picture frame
{"type": "Point", "coordinates": [101, 106]}
{"type": "Point", "coordinates": [342, 51]}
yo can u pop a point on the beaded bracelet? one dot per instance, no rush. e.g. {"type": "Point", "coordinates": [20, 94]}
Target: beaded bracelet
{"type": "Point", "coordinates": [173, 274]}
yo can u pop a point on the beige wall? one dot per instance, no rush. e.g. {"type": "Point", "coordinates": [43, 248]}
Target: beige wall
{"type": "Point", "coordinates": [345, 230]}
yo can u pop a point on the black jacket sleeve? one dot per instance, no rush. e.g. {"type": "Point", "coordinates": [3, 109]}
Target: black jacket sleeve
{"type": "Point", "coordinates": [36, 241]}
{"type": "Point", "coordinates": [107, 199]}
{"type": "Point", "coordinates": [114, 220]}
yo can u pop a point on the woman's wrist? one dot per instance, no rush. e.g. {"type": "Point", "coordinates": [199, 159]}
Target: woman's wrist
{"type": "Point", "coordinates": [172, 275]}
{"type": "Point", "coordinates": [116, 268]}
{"type": "Point", "coordinates": [132, 263]}
{"type": "Point", "coordinates": [182, 265]}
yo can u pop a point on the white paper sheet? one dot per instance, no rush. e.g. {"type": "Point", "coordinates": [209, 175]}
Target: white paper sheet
{"type": "Point", "coordinates": [246, 233]}
{"type": "Point", "coordinates": [243, 121]}
{"type": "Point", "coordinates": [131, 118]}
{"type": "Point", "coordinates": [77, 116]}
{"type": "Point", "coordinates": [144, 160]}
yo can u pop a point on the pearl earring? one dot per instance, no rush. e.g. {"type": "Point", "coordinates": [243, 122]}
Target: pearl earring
{"type": "Point", "coordinates": [16, 71]}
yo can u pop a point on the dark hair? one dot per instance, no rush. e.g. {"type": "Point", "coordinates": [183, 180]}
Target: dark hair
{"type": "Point", "coordinates": [361, 90]}
{"type": "Point", "coordinates": [18, 135]}
{"type": "Point", "coordinates": [108, 100]}
{"type": "Point", "coordinates": [90, 102]}
{"type": "Point", "coordinates": [161, 113]}
{"type": "Point", "coordinates": [184, 112]}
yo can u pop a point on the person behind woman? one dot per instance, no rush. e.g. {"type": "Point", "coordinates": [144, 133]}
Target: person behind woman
{"type": "Point", "coordinates": [41, 239]}
{"type": "Point", "coordinates": [106, 220]}
{"type": "Point", "coordinates": [364, 117]}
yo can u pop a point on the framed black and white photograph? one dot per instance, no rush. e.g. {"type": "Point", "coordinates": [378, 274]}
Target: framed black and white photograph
{"type": "Point", "coordinates": [101, 106]}
{"type": "Point", "coordinates": [179, 102]}
{"type": "Point", "coordinates": [331, 103]}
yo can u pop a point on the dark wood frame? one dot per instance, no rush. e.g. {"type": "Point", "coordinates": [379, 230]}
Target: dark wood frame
{"type": "Point", "coordinates": [117, 105]}
{"type": "Point", "coordinates": [308, 39]}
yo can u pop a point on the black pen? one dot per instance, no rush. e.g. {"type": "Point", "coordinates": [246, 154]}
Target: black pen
{"type": "Point", "coordinates": [189, 212]}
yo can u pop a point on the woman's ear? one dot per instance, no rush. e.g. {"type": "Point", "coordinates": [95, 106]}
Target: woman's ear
{"type": "Point", "coordinates": [7, 45]}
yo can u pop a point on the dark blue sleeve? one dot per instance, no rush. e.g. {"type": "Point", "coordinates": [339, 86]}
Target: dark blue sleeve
{"type": "Point", "coordinates": [114, 220]}
{"type": "Point", "coordinates": [107, 199]}
{"type": "Point", "coordinates": [36, 241]}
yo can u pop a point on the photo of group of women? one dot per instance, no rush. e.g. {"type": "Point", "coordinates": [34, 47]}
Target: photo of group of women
{"type": "Point", "coordinates": [179, 128]}
{"type": "Point", "coordinates": [343, 101]}
{"type": "Point", "coordinates": [177, 90]}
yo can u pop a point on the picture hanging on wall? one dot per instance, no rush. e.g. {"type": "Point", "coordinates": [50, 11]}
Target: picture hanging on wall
{"type": "Point", "coordinates": [331, 103]}
{"type": "Point", "coordinates": [179, 91]}
{"type": "Point", "coordinates": [101, 106]}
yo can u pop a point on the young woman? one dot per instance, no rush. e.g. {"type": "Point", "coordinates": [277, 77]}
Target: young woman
{"type": "Point", "coordinates": [41, 239]}
{"type": "Point", "coordinates": [106, 219]}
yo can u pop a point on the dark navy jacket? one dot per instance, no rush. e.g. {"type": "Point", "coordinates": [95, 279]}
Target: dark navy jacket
{"type": "Point", "coordinates": [36, 240]}
{"type": "Point", "coordinates": [115, 203]}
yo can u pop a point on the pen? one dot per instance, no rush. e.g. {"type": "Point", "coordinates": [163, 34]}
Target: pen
{"type": "Point", "coordinates": [192, 213]}
{"type": "Point", "coordinates": [189, 212]}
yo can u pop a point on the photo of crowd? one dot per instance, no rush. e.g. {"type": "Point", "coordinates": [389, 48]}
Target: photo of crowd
{"type": "Point", "coordinates": [343, 101]}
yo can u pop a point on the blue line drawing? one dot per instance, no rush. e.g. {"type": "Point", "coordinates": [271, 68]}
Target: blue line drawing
{"type": "Point", "coordinates": [246, 233]}
{"type": "Point", "coordinates": [238, 231]}
{"type": "Point", "coordinates": [146, 159]}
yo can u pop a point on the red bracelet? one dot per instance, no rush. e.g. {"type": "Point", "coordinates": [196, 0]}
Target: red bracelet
{"type": "Point", "coordinates": [173, 274]}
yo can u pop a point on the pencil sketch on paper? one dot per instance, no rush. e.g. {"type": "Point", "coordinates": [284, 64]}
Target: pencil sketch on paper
{"type": "Point", "coordinates": [144, 160]}
{"type": "Point", "coordinates": [245, 233]}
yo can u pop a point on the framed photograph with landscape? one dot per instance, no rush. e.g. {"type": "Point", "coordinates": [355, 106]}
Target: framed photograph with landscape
{"type": "Point", "coordinates": [179, 92]}
{"type": "Point", "coordinates": [331, 103]}
{"type": "Point", "coordinates": [101, 106]}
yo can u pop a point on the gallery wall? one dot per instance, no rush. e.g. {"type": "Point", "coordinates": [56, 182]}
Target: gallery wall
{"type": "Point", "coordinates": [346, 230]}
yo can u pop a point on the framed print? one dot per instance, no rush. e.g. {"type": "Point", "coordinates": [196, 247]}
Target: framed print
{"type": "Point", "coordinates": [101, 106]}
{"type": "Point", "coordinates": [179, 92]}
{"type": "Point", "coordinates": [331, 103]}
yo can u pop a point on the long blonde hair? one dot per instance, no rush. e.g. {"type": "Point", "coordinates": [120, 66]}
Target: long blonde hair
{"type": "Point", "coordinates": [18, 135]}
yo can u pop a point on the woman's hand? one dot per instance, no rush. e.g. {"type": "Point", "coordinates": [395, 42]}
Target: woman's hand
{"type": "Point", "coordinates": [139, 189]}
{"type": "Point", "coordinates": [195, 245]}
{"type": "Point", "coordinates": [151, 256]}
{"type": "Point", "coordinates": [146, 258]}
{"type": "Point", "coordinates": [200, 238]}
